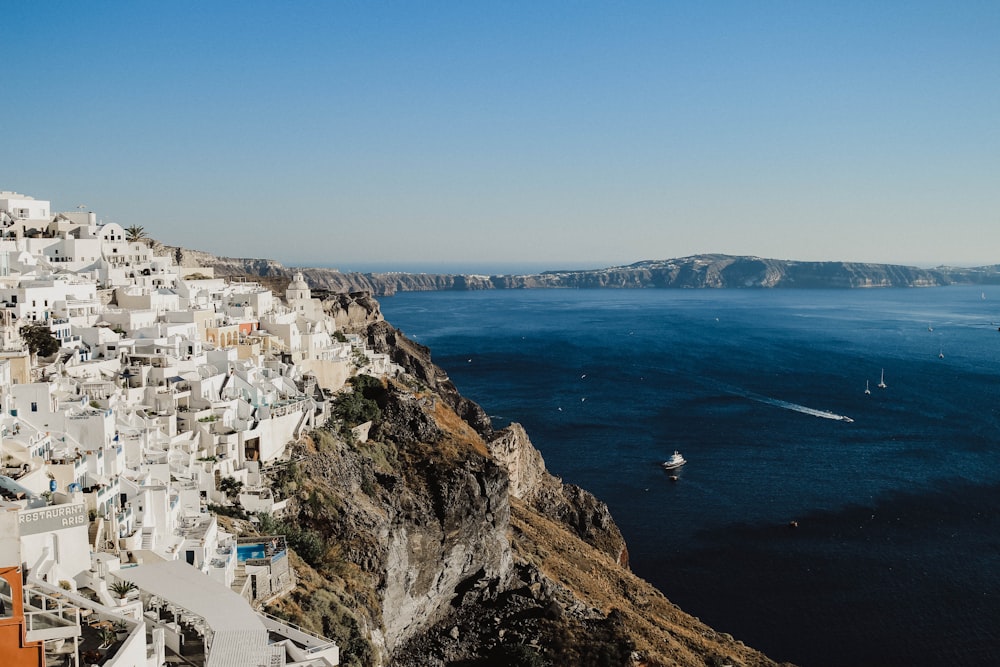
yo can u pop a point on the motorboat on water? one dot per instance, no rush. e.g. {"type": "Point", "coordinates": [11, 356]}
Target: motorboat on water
{"type": "Point", "coordinates": [674, 462]}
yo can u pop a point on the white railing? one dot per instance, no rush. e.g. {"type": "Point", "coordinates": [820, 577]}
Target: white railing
{"type": "Point", "coordinates": [312, 643]}
{"type": "Point", "coordinates": [49, 617]}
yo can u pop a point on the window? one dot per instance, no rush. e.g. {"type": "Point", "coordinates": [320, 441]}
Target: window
{"type": "Point", "coordinates": [6, 601]}
{"type": "Point", "coordinates": [34, 406]}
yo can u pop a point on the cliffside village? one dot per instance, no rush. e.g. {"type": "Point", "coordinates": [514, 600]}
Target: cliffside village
{"type": "Point", "coordinates": [170, 391]}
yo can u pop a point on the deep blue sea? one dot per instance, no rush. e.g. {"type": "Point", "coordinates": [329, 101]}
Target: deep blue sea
{"type": "Point", "coordinates": [896, 557]}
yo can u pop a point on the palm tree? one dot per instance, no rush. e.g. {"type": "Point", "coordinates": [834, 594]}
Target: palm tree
{"type": "Point", "coordinates": [122, 588]}
{"type": "Point", "coordinates": [135, 233]}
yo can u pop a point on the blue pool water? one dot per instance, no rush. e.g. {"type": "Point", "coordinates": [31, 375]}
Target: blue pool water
{"type": "Point", "coordinates": [245, 551]}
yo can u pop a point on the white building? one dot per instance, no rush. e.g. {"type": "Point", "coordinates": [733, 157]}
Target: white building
{"type": "Point", "coordinates": [38, 298]}
{"type": "Point", "coordinates": [18, 207]}
{"type": "Point", "coordinates": [108, 464]}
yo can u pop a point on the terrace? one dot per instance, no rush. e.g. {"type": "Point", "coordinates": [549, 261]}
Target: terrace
{"type": "Point", "coordinates": [77, 629]}
{"type": "Point", "coordinates": [202, 619]}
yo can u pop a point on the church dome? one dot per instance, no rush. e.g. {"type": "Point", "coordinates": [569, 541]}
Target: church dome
{"type": "Point", "coordinates": [298, 283]}
{"type": "Point", "coordinates": [298, 290]}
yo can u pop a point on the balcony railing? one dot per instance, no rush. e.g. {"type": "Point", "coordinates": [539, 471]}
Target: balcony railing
{"type": "Point", "coordinates": [49, 617]}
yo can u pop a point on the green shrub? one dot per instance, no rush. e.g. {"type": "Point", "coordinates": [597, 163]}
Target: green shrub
{"type": "Point", "coordinates": [39, 339]}
{"type": "Point", "coordinates": [307, 543]}
{"type": "Point", "coordinates": [360, 405]}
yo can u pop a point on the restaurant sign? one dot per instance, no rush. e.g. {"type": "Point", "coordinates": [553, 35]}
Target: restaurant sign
{"type": "Point", "coordinates": [54, 517]}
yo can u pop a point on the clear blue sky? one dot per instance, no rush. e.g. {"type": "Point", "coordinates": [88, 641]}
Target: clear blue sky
{"type": "Point", "coordinates": [558, 134]}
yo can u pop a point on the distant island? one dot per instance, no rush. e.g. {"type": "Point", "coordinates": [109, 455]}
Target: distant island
{"type": "Point", "coordinates": [698, 271]}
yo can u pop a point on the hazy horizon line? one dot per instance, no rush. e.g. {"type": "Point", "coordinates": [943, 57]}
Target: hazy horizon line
{"type": "Point", "coordinates": [535, 267]}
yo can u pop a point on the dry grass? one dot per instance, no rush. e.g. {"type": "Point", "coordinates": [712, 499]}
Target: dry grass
{"type": "Point", "coordinates": [662, 632]}
{"type": "Point", "coordinates": [460, 438]}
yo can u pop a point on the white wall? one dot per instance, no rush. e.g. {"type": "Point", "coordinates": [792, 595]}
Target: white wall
{"type": "Point", "coordinates": [10, 543]}
{"type": "Point", "coordinates": [24, 207]}
{"type": "Point", "coordinates": [68, 546]}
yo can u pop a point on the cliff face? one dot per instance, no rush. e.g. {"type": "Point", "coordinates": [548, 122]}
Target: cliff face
{"type": "Point", "coordinates": [440, 541]}
{"type": "Point", "coordinates": [574, 508]}
{"type": "Point", "coordinates": [420, 522]}
{"type": "Point", "coordinates": [352, 313]}
{"type": "Point", "coordinates": [700, 271]}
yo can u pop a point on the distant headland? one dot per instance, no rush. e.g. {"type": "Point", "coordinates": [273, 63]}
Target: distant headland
{"type": "Point", "coordinates": [698, 271]}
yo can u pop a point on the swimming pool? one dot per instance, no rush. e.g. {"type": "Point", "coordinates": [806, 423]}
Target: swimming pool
{"type": "Point", "coordinates": [245, 551]}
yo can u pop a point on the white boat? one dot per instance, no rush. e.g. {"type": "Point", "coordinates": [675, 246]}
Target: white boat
{"type": "Point", "coordinates": [881, 382]}
{"type": "Point", "coordinates": [674, 462]}
{"type": "Point", "coordinates": [867, 389]}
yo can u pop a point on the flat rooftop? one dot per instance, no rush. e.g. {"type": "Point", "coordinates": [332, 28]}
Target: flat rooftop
{"type": "Point", "coordinates": [185, 586]}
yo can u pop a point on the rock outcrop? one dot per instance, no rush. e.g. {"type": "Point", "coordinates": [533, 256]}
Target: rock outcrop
{"type": "Point", "coordinates": [416, 360]}
{"type": "Point", "coordinates": [576, 509]}
{"type": "Point", "coordinates": [352, 312]}
{"type": "Point", "coordinates": [529, 481]}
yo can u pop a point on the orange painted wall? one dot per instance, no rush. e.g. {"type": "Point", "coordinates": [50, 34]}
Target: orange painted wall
{"type": "Point", "coordinates": [14, 651]}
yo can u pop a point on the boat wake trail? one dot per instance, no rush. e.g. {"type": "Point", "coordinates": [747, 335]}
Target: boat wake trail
{"type": "Point", "coordinates": [825, 414]}
{"type": "Point", "coordinates": [778, 403]}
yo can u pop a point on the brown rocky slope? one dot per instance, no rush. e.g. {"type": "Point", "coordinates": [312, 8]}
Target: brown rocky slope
{"type": "Point", "coordinates": [439, 541]}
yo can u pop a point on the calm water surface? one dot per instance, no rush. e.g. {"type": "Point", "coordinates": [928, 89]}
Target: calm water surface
{"type": "Point", "coordinates": [895, 558]}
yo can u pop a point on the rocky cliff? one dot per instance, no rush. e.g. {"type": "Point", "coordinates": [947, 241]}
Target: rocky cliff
{"type": "Point", "coordinates": [700, 271]}
{"type": "Point", "coordinates": [441, 541]}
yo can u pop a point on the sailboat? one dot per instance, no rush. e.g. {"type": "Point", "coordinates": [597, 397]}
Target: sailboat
{"type": "Point", "coordinates": [881, 382]}
{"type": "Point", "coordinates": [867, 390]}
